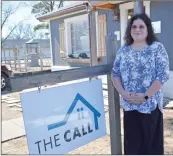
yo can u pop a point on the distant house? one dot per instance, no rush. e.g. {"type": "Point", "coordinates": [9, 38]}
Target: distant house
{"type": "Point", "coordinates": [69, 30]}
{"type": "Point", "coordinates": [10, 47]}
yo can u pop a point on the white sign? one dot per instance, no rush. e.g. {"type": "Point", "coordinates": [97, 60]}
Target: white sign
{"type": "Point", "coordinates": [118, 35]}
{"type": "Point", "coordinates": [60, 119]}
{"type": "Point", "coordinates": [157, 26]}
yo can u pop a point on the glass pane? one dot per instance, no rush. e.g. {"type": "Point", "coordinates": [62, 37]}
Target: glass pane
{"type": "Point", "coordinates": [131, 13]}
{"type": "Point", "coordinates": [72, 27]}
{"type": "Point", "coordinates": [73, 34]}
{"type": "Point", "coordinates": [73, 49]}
{"type": "Point", "coordinates": [80, 38]}
{"type": "Point", "coordinates": [73, 41]}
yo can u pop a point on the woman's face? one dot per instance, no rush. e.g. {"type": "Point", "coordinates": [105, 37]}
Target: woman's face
{"type": "Point", "coordinates": [139, 31]}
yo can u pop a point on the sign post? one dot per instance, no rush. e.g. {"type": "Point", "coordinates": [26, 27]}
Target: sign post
{"type": "Point", "coordinates": [113, 99]}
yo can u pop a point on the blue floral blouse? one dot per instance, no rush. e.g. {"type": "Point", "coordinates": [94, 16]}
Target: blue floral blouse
{"type": "Point", "coordinates": [137, 71]}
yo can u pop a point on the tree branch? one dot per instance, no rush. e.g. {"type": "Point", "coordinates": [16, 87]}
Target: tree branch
{"type": "Point", "coordinates": [7, 13]}
{"type": "Point", "coordinates": [47, 5]}
{"type": "Point", "coordinates": [60, 4]}
{"type": "Point", "coordinates": [2, 41]}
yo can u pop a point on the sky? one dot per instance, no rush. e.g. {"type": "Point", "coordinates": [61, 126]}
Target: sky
{"type": "Point", "coordinates": [24, 12]}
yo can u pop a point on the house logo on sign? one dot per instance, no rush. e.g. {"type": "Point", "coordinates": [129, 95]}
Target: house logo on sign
{"type": "Point", "coordinates": [80, 113]}
{"type": "Point", "coordinates": [79, 128]}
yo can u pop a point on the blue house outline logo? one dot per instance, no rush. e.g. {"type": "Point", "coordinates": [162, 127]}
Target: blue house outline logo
{"type": "Point", "coordinates": [86, 103]}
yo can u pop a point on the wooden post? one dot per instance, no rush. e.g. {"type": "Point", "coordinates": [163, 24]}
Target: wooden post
{"type": "Point", "coordinates": [41, 63]}
{"type": "Point", "coordinates": [138, 7]}
{"type": "Point", "coordinates": [113, 99]}
{"type": "Point", "coordinates": [18, 57]}
{"type": "Point", "coordinates": [50, 78]}
{"type": "Point", "coordinates": [25, 57]}
{"type": "Point", "coordinates": [4, 55]}
{"type": "Point", "coordinates": [15, 56]}
{"type": "Point", "coordinates": [19, 60]}
{"type": "Point", "coordinates": [41, 58]}
{"type": "Point", "coordinates": [92, 38]}
{"type": "Point", "coordinates": [10, 58]}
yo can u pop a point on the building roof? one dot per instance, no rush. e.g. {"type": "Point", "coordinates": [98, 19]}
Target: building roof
{"type": "Point", "coordinates": [74, 8]}
{"type": "Point", "coordinates": [13, 43]}
{"type": "Point", "coordinates": [32, 41]}
{"type": "Point", "coordinates": [64, 11]}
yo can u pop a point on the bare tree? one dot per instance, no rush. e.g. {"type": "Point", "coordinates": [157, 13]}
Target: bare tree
{"type": "Point", "coordinates": [60, 4]}
{"type": "Point", "coordinates": [43, 7]}
{"type": "Point", "coordinates": [7, 12]}
{"type": "Point", "coordinates": [23, 31]}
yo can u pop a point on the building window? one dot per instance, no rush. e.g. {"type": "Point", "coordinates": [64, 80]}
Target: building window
{"type": "Point", "coordinates": [77, 35]}
{"type": "Point", "coordinates": [131, 12]}
{"type": "Point", "coordinates": [80, 37]}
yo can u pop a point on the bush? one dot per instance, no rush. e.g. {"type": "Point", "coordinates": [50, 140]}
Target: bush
{"type": "Point", "coordinates": [83, 55]}
{"type": "Point", "coordinates": [71, 56]}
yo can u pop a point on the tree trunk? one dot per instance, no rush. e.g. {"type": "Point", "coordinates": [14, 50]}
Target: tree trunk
{"type": "Point", "coordinates": [51, 5]}
{"type": "Point", "coordinates": [60, 4]}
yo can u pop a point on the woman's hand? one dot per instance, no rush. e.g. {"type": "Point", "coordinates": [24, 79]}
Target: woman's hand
{"type": "Point", "coordinates": [137, 98]}
{"type": "Point", "coordinates": [126, 95]}
{"type": "Point", "coordinates": [134, 98]}
{"type": "Point", "coordinates": [136, 101]}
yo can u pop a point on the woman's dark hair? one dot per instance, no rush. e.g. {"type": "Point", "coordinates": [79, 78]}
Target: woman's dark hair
{"type": "Point", "coordinates": [151, 36]}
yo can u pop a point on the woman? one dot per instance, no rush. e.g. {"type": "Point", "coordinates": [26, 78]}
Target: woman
{"type": "Point", "coordinates": [140, 69]}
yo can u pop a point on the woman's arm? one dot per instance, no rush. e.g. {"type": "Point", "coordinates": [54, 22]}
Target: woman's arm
{"type": "Point", "coordinates": [115, 76]}
{"type": "Point", "coordinates": [126, 95]}
{"type": "Point", "coordinates": [117, 84]}
{"type": "Point", "coordinates": [156, 85]}
{"type": "Point", "coordinates": [162, 71]}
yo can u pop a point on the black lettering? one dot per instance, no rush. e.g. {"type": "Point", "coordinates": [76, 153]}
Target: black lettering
{"type": "Point", "coordinates": [65, 136]}
{"type": "Point", "coordinates": [76, 133]}
{"type": "Point", "coordinates": [47, 144]}
{"type": "Point", "coordinates": [83, 130]}
{"type": "Point", "coordinates": [89, 128]}
{"type": "Point", "coordinates": [38, 146]}
{"type": "Point", "coordinates": [56, 139]}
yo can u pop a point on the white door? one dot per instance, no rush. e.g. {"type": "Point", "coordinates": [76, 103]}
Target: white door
{"type": "Point", "coordinates": [124, 10]}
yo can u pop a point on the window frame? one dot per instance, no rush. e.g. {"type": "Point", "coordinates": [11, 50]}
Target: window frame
{"type": "Point", "coordinates": [67, 22]}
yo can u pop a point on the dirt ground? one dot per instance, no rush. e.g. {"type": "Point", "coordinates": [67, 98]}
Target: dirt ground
{"type": "Point", "coordinates": [10, 113]}
{"type": "Point", "coordinates": [99, 146]}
